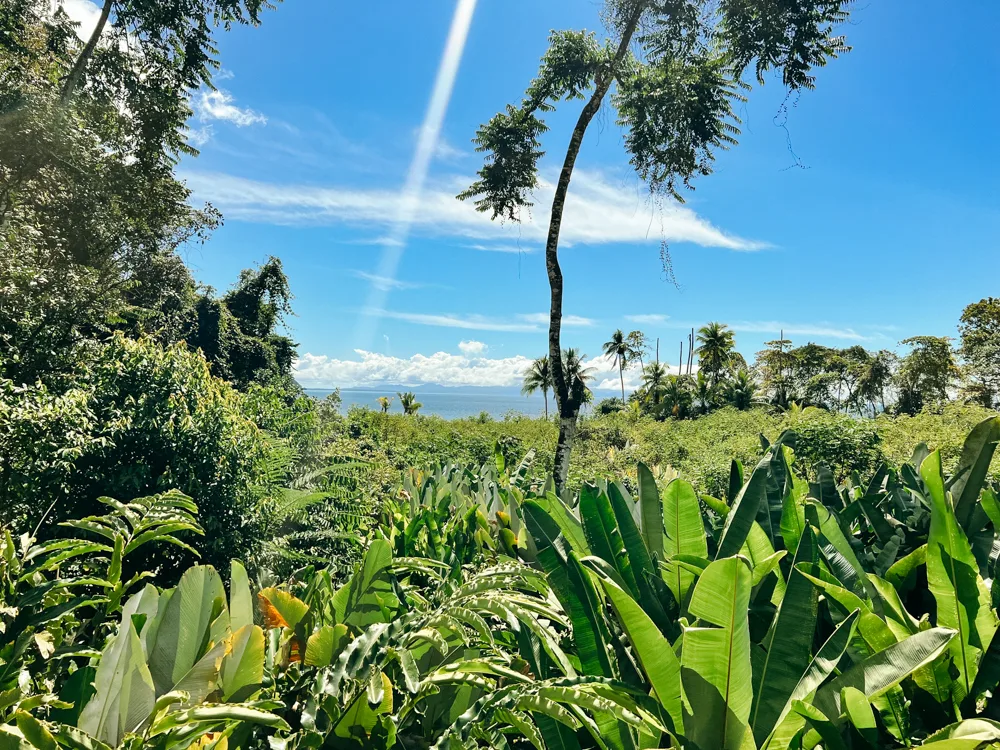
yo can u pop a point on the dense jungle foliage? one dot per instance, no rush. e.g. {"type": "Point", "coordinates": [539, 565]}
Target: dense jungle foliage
{"type": "Point", "coordinates": [194, 554]}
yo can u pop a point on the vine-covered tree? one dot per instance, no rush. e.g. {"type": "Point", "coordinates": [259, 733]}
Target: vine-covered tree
{"type": "Point", "coordinates": [239, 332]}
{"type": "Point", "coordinates": [677, 67]}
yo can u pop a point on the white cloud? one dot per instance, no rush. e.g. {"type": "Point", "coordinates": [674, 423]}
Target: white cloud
{"type": "Point", "coordinates": [218, 105]}
{"type": "Point", "coordinates": [320, 371]}
{"type": "Point", "coordinates": [472, 347]}
{"type": "Point", "coordinates": [797, 329]}
{"type": "Point", "coordinates": [441, 368]}
{"type": "Point", "coordinates": [83, 12]}
{"type": "Point", "coordinates": [385, 283]}
{"type": "Point", "coordinates": [597, 212]}
{"type": "Point", "coordinates": [648, 320]}
{"type": "Point", "coordinates": [502, 248]}
{"type": "Point", "coordinates": [199, 136]}
{"type": "Point", "coordinates": [569, 321]}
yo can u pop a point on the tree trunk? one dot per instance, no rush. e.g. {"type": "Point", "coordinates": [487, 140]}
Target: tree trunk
{"type": "Point", "coordinates": [567, 434]}
{"type": "Point", "coordinates": [569, 407]}
{"type": "Point", "coordinates": [545, 395]}
{"type": "Point", "coordinates": [73, 80]}
{"type": "Point", "coordinates": [621, 377]}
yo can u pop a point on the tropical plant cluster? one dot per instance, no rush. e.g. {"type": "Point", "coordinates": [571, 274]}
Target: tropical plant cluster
{"type": "Point", "coordinates": [787, 612]}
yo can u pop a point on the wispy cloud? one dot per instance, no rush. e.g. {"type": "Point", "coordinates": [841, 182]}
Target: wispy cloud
{"type": "Point", "coordinates": [597, 212]}
{"type": "Point", "coordinates": [467, 322]}
{"type": "Point", "coordinates": [385, 283]}
{"type": "Point", "coordinates": [218, 105]}
{"type": "Point", "coordinates": [776, 327]}
{"type": "Point", "coordinates": [503, 248]}
{"type": "Point", "coordinates": [798, 329]}
{"type": "Point", "coordinates": [571, 321]}
{"type": "Point", "coordinates": [651, 319]}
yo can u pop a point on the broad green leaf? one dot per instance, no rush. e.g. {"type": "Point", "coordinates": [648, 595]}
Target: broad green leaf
{"type": "Point", "coordinates": [825, 729]}
{"type": "Point", "coordinates": [568, 524]}
{"type": "Point", "coordinates": [243, 665]}
{"type": "Point", "coordinates": [240, 599]}
{"type": "Point", "coordinates": [973, 465]}
{"type": "Point", "coordinates": [788, 644]}
{"type": "Point", "coordinates": [650, 512]}
{"type": "Point", "coordinates": [222, 713]}
{"type": "Point", "coordinates": [963, 601]}
{"type": "Point", "coordinates": [359, 602]}
{"type": "Point", "coordinates": [859, 713]}
{"type": "Point", "coordinates": [743, 511]}
{"type": "Point", "coordinates": [715, 657]}
{"type": "Point", "coordinates": [603, 534]}
{"type": "Point", "coordinates": [793, 511]}
{"type": "Point", "coordinates": [981, 730]}
{"type": "Point", "coordinates": [573, 587]}
{"type": "Point", "coordinates": [821, 667]}
{"type": "Point", "coordinates": [195, 618]}
{"type": "Point", "coordinates": [654, 652]}
{"type": "Point", "coordinates": [325, 645]}
{"type": "Point", "coordinates": [685, 533]}
{"type": "Point", "coordinates": [34, 731]}
{"type": "Point", "coordinates": [837, 551]}
{"type": "Point", "coordinates": [640, 561]}
{"type": "Point", "coordinates": [901, 574]}
{"type": "Point", "coordinates": [360, 718]}
{"type": "Point", "coordinates": [124, 693]}
{"type": "Point", "coordinates": [879, 672]}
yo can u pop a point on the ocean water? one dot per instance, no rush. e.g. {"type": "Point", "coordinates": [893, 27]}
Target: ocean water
{"type": "Point", "coordinates": [444, 404]}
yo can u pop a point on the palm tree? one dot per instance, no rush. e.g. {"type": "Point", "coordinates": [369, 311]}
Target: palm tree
{"type": "Point", "coordinates": [742, 391]}
{"type": "Point", "coordinates": [385, 402]}
{"type": "Point", "coordinates": [538, 377]}
{"type": "Point", "coordinates": [577, 375]}
{"type": "Point", "coordinates": [677, 395]}
{"type": "Point", "coordinates": [409, 402]}
{"type": "Point", "coordinates": [704, 392]}
{"type": "Point", "coordinates": [654, 378]}
{"type": "Point", "coordinates": [619, 349]}
{"type": "Point", "coordinates": [715, 346]}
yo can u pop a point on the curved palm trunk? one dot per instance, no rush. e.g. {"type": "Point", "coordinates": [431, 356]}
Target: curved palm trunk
{"type": "Point", "coordinates": [621, 377]}
{"type": "Point", "coordinates": [545, 395]}
{"type": "Point", "coordinates": [569, 407]}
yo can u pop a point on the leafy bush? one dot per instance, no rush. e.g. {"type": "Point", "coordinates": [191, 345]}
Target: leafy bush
{"type": "Point", "coordinates": [141, 420]}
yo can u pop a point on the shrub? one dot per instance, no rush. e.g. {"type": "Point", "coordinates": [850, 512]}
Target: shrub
{"type": "Point", "coordinates": [141, 420]}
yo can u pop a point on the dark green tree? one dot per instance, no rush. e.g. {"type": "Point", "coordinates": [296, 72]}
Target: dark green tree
{"type": "Point", "coordinates": [927, 374]}
{"type": "Point", "coordinates": [677, 67]}
{"type": "Point", "coordinates": [239, 332]}
{"type": "Point", "coordinates": [980, 335]}
{"type": "Point", "coordinates": [715, 349]}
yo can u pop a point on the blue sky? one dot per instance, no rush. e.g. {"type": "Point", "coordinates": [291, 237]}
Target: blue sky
{"type": "Point", "coordinates": [886, 227]}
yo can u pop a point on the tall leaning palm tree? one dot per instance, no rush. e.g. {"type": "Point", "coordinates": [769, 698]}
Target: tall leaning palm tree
{"type": "Point", "coordinates": [538, 377]}
{"type": "Point", "coordinates": [619, 348]}
{"type": "Point", "coordinates": [715, 346]}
